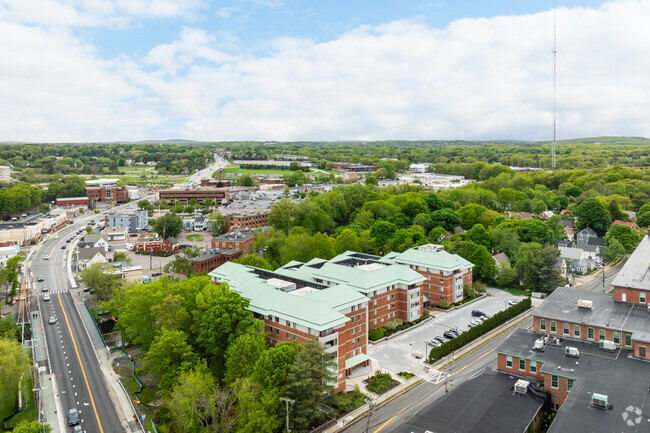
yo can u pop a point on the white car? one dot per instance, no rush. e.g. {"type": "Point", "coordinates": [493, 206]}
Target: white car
{"type": "Point", "coordinates": [46, 297]}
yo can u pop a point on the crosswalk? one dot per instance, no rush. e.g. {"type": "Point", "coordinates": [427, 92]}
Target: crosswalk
{"type": "Point", "coordinates": [54, 291]}
{"type": "Point", "coordinates": [437, 377]}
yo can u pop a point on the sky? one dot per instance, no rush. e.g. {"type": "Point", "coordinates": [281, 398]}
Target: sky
{"type": "Point", "coordinates": [322, 70]}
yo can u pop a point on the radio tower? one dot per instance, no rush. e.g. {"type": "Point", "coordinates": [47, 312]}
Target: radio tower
{"type": "Point", "coordinates": [553, 157]}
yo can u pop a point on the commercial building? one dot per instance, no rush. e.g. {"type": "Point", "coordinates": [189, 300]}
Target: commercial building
{"type": "Point", "coordinates": [148, 243]}
{"type": "Point", "coordinates": [30, 228]}
{"type": "Point", "coordinates": [419, 168]}
{"type": "Point", "coordinates": [446, 274]}
{"type": "Point", "coordinates": [116, 234]}
{"type": "Point", "coordinates": [133, 221]}
{"type": "Point", "coordinates": [5, 174]}
{"type": "Point", "coordinates": [213, 258]}
{"type": "Point", "coordinates": [632, 283]}
{"type": "Point", "coordinates": [348, 166]}
{"type": "Point", "coordinates": [214, 183]}
{"type": "Point", "coordinates": [246, 219]}
{"type": "Point", "coordinates": [109, 193]}
{"type": "Point", "coordinates": [199, 194]}
{"type": "Point", "coordinates": [72, 201]}
{"type": "Point", "coordinates": [240, 239]}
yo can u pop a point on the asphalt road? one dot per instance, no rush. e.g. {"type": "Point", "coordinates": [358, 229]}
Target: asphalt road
{"type": "Point", "coordinates": [391, 416]}
{"type": "Point", "coordinates": [79, 380]}
{"type": "Point", "coordinates": [595, 283]}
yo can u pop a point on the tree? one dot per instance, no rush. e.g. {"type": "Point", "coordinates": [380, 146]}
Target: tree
{"type": "Point", "coordinates": [273, 366]}
{"type": "Point", "coordinates": [505, 241]}
{"type": "Point", "coordinates": [480, 236]}
{"type": "Point", "coordinates": [472, 214]}
{"type": "Point", "coordinates": [309, 383]}
{"type": "Point", "coordinates": [168, 225]}
{"type": "Point", "coordinates": [101, 279]}
{"type": "Point", "coordinates": [534, 230]}
{"type": "Point", "coordinates": [32, 427]}
{"type": "Point", "coordinates": [282, 214]}
{"type": "Point", "coordinates": [253, 260]}
{"type": "Point", "coordinates": [381, 232]}
{"type": "Point", "coordinates": [613, 250]}
{"type": "Point", "coordinates": [593, 213]}
{"type": "Point", "coordinates": [573, 191]}
{"type": "Point", "coordinates": [143, 204]}
{"type": "Point", "coordinates": [445, 218]}
{"type": "Point", "coordinates": [537, 270]}
{"type": "Point", "coordinates": [246, 180]}
{"type": "Point", "coordinates": [371, 180]}
{"type": "Point", "coordinates": [197, 404]}
{"type": "Point", "coordinates": [217, 223]}
{"type": "Point", "coordinates": [243, 353]}
{"type": "Point", "coordinates": [507, 276]}
{"type": "Point", "coordinates": [9, 277]}
{"type": "Point", "coordinates": [121, 256]}
{"type": "Point", "coordinates": [168, 354]}
{"type": "Point", "coordinates": [347, 240]}
{"type": "Point", "coordinates": [14, 363]}
{"type": "Point", "coordinates": [625, 235]}
{"type": "Point", "coordinates": [643, 220]}
{"type": "Point", "coordinates": [437, 235]}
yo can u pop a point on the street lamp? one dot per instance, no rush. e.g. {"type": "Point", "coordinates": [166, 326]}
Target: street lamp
{"type": "Point", "coordinates": [371, 406]}
{"type": "Point", "coordinates": [287, 401]}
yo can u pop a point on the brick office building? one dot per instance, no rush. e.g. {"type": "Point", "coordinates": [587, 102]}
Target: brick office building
{"type": "Point", "coordinates": [446, 274]}
{"type": "Point", "coordinates": [115, 194]}
{"type": "Point", "coordinates": [244, 220]}
{"type": "Point", "coordinates": [148, 242]}
{"type": "Point", "coordinates": [72, 201]}
{"type": "Point", "coordinates": [293, 309]}
{"type": "Point", "coordinates": [213, 258]}
{"type": "Point", "coordinates": [241, 240]}
{"type": "Point", "coordinates": [214, 183]}
{"type": "Point", "coordinates": [200, 195]}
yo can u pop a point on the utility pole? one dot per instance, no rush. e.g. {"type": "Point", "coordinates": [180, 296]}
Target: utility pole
{"type": "Point", "coordinates": [603, 278]}
{"type": "Point", "coordinates": [371, 406]}
{"type": "Point", "coordinates": [287, 401]}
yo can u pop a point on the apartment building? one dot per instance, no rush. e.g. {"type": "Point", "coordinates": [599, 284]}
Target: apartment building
{"type": "Point", "coordinates": [241, 239]}
{"type": "Point", "coordinates": [294, 309]}
{"type": "Point", "coordinates": [394, 291]}
{"type": "Point", "coordinates": [5, 174]}
{"type": "Point", "coordinates": [446, 274]}
{"type": "Point", "coordinates": [247, 219]}
{"type": "Point", "coordinates": [213, 258]}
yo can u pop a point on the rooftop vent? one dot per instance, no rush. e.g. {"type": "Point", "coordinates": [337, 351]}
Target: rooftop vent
{"type": "Point", "coordinates": [583, 303]}
{"type": "Point", "coordinates": [572, 352]}
{"type": "Point", "coordinates": [600, 401]}
{"type": "Point", "coordinates": [521, 386]}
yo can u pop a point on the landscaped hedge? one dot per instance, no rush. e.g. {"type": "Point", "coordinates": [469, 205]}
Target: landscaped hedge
{"type": "Point", "coordinates": [394, 326]}
{"type": "Point", "coordinates": [479, 330]}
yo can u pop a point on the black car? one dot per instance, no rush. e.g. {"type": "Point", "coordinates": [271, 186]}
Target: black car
{"type": "Point", "coordinates": [73, 417]}
{"type": "Point", "coordinates": [449, 334]}
{"type": "Point", "coordinates": [478, 313]}
{"type": "Point", "coordinates": [455, 332]}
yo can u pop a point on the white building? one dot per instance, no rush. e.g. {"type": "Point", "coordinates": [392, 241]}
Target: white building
{"type": "Point", "coordinates": [419, 168]}
{"type": "Point", "coordinates": [8, 252]}
{"type": "Point", "coordinates": [5, 173]}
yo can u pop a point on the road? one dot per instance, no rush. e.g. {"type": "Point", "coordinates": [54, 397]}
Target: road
{"type": "Point", "coordinates": [595, 281]}
{"type": "Point", "coordinates": [389, 417]}
{"type": "Point", "coordinates": [195, 179]}
{"type": "Point", "coordinates": [79, 380]}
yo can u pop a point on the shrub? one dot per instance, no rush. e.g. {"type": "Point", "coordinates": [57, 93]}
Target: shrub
{"type": "Point", "coordinates": [477, 331]}
{"type": "Point", "coordinates": [381, 382]}
{"type": "Point", "coordinates": [479, 286]}
{"type": "Point", "coordinates": [393, 324]}
{"type": "Point", "coordinates": [405, 374]}
{"type": "Point", "coordinates": [375, 334]}
{"type": "Point", "coordinates": [444, 304]}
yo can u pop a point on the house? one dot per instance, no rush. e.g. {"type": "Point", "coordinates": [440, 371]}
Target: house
{"type": "Point", "coordinates": [501, 259]}
{"type": "Point", "coordinates": [564, 243]}
{"type": "Point", "coordinates": [579, 260]}
{"type": "Point", "coordinates": [546, 215]}
{"type": "Point", "coordinates": [170, 245]}
{"type": "Point", "coordinates": [8, 252]}
{"type": "Point", "coordinates": [131, 273]}
{"type": "Point", "coordinates": [561, 267]}
{"type": "Point", "coordinates": [597, 243]}
{"type": "Point", "coordinates": [519, 215]}
{"type": "Point", "coordinates": [213, 258]}
{"type": "Point", "coordinates": [95, 240]}
{"type": "Point", "coordinates": [583, 236]}
{"type": "Point", "coordinates": [570, 232]}
{"type": "Point", "coordinates": [89, 256]}
{"type": "Point", "coordinates": [133, 221]}
{"type": "Point", "coordinates": [200, 223]}
{"type": "Point", "coordinates": [116, 234]}
{"type": "Point", "coordinates": [631, 225]}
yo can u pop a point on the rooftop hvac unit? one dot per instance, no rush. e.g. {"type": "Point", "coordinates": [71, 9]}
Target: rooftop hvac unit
{"type": "Point", "coordinates": [572, 352]}
{"type": "Point", "coordinates": [539, 345]}
{"type": "Point", "coordinates": [599, 401]}
{"type": "Point", "coordinates": [607, 345]}
{"type": "Point", "coordinates": [583, 303]}
{"type": "Point", "coordinates": [521, 386]}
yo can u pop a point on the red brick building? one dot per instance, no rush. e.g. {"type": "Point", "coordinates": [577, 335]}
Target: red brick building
{"type": "Point", "coordinates": [148, 242]}
{"type": "Point", "coordinates": [72, 201]}
{"type": "Point", "coordinates": [170, 245]}
{"type": "Point", "coordinates": [213, 258]}
{"type": "Point", "coordinates": [241, 240]}
{"type": "Point", "coordinates": [214, 183]}
{"type": "Point", "coordinates": [115, 194]}
{"type": "Point", "coordinates": [247, 220]}
{"type": "Point", "coordinates": [199, 194]}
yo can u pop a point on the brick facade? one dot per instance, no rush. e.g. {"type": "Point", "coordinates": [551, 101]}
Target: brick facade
{"type": "Point", "coordinates": [439, 287]}
{"type": "Point", "coordinates": [246, 220]}
{"type": "Point", "coordinates": [73, 201]}
{"type": "Point", "coordinates": [243, 245]}
{"type": "Point", "coordinates": [200, 195]}
{"type": "Point", "coordinates": [212, 260]}
{"type": "Point", "coordinates": [392, 304]}
{"type": "Point", "coordinates": [581, 331]}
{"type": "Point", "coordinates": [631, 296]}
{"type": "Point", "coordinates": [116, 194]}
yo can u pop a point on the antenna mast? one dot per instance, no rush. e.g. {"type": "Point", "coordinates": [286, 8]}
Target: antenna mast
{"type": "Point", "coordinates": [553, 157]}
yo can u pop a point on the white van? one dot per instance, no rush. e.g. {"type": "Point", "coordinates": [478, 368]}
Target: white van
{"type": "Point", "coordinates": [128, 246]}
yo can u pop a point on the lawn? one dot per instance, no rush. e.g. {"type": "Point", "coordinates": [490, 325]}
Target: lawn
{"type": "Point", "coordinates": [235, 168]}
{"type": "Point", "coordinates": [195, 238]}
{"type": "Point", "coordinates": [29, 411]}
{"type": "Point", "coordinates": [515, 292]}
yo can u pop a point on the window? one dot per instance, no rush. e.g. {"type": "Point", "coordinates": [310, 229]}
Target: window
{"type": "Point", "coordinates": [374, 303]}
{"type": "Point", "coordinates": [569, 384]}
{"type": "Point", "coordinates": [442, 281]}
{"type": "Point", "coordinates": [353, 331]}
{"type": "Point", "coordinates": [628, 340]}
{"type": "Point", "coordinates": [642, 297]}
{"type": "Point", "coordinates": [553, 326]}
{"type": "Point", "coordinates": [392, 296]}
{"type": "Point", "coordinates": [641, 351]}
{"type": "Point", "coordinates": [374, 312]}
{"type": "Point", "coordinates": [354, 342]}
{"type": "Point", "coordinates": [277, 331]}
{"type": "Point", "coordinates": [522, 364]}
{"type": "Point", "coordinates": [359, 340]}
{"type": "Point", "coordinates": [359, 317]}
{"type": "Point", "coordinates": [617, 337]}
{"type": "Point", "coordinates": [509, 361]}
{"type": "Point", "coordinates": [352, 319]}
{"type": "Point", "coordinates": [359, 328]}
{"type": "Point", "coordinates": [392, 305]}
{"type": "Point", "coordinates": [601, 334]}
{"type": "Point", "coordinates": [442, 297]}
{"type": "Point", "coordinates": [590, 333]}
{"type": "Point", "coordinates": [374, 322]}
{"type": "Point", "coordinates": [533, 366]}
{"type": "Point", "coordinates": [542, 324]}
{"type": "Point", "coordinates": [565, 329]}
{"type": "Point", "coordinates": [555, 381]}
{"type": "Point", "coordinates": [287, 335]}
{"type": "Point", "coordinates": [576, 330]}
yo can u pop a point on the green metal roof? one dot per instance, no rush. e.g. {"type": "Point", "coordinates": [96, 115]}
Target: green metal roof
{"type": "Point", "coordinates": [356, 360]}
{"type": "Point", "coordinates": [441, 260]}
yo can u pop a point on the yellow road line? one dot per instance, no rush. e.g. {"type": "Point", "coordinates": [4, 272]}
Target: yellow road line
{"type": "Point", "coordinates": [391, 418]}
{"type": "Point", "coordinates": [83, 371]}
{"type": "Point", "coordinates": [477, 359]}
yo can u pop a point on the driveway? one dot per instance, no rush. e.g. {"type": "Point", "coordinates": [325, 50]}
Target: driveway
{"type": "Point", "coordinates": [396, 354]}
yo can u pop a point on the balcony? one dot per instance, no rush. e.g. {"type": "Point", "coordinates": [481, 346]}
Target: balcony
{"type": "Point", "coordinates": [329, 340]}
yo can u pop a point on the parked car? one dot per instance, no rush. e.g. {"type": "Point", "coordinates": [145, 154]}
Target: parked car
{"type": "Point", "coordinates": [449, 334]}
{"type": "Point", "coordinates": [73, 417]}
{"type": "Point", "coordinates": [473, 323]}
{"type": "Point", "coordinates": [433, 343]}
{"type": "Point", "coordinates": [52, 320]}
{"type": "Point", "coordinates": [478, 313]}
{"type": "Point", "coordinates": [439, 339]}
{"type": "Point", "coordinates": [513, 302]}
{"type": "Point", "coordinates": [77, 429]}
{"type": "Point", "coordinates": [46, 258]}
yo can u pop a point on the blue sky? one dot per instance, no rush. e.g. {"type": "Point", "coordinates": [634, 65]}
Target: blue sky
{"type": "Point", "coordinates": [87, 70]}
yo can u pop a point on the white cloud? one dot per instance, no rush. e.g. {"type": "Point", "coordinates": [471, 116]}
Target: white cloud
{"type": "Point", "coordinates": [475, 79]}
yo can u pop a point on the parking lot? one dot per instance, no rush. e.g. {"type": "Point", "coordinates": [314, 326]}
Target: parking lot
{"type": "Point", "coordinates": [396, 354]}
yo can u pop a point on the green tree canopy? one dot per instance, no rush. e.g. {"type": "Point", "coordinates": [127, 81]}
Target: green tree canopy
{"type": "Point", "coordinates": [283, 214]}
{"type": "Point", "coordinates": [253, 260]}
{"type": "Point", "coordinates": [168, 225]}
{"type": "Point", "coordinates": [101, 279]}
{"type": "Point", "coordinates": [626, 236]}
{"type": "Point", "coordinates": [593, 213]}
{"type": "Point", "coordinates": [217, 223]}
{"type": "Point", "coordinates": [167, 356]}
